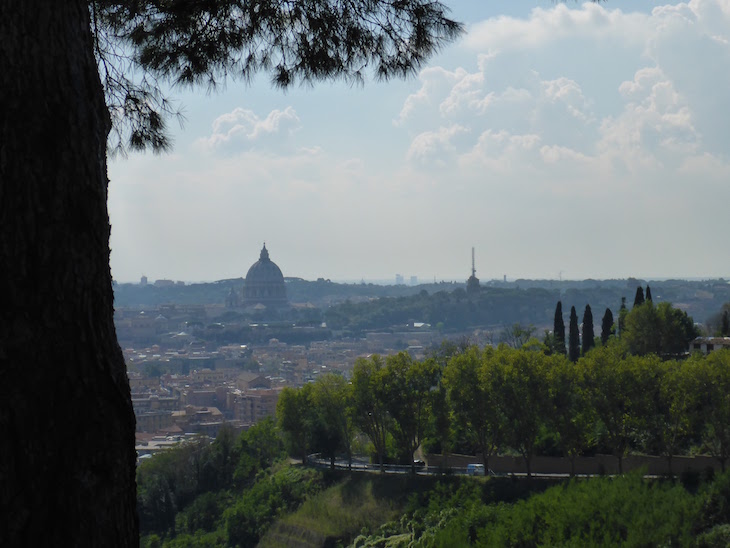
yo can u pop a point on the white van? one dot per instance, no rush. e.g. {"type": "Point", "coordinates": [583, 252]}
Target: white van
{"type": "Point", "coordinates": [474, 469]}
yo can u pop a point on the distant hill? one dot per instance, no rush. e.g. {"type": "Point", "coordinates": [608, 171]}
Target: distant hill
{"type": "Point", "coordinates": [368, 306]}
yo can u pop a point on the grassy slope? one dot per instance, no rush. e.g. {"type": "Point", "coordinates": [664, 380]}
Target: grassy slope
{"type": "Point", "coordinates": [357, 503]}
{"type": "Point", "coordinates": [362, 503]}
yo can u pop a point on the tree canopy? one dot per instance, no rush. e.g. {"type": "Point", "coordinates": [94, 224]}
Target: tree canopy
{"type": "Point", "coordinates": [206, 43]}
{"type": "Point", "coordinates": [661, 329]}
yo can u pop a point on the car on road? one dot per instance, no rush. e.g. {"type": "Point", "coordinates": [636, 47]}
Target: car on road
{"type": "Point", "coordinates": [475, 469]}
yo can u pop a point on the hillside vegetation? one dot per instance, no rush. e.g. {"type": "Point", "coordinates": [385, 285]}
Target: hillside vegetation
{"type": "Point", "coordinates": [292, 506]}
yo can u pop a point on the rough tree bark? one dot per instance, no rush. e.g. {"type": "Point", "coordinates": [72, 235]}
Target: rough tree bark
{"type": "Point", "coordinates": [67, 462]}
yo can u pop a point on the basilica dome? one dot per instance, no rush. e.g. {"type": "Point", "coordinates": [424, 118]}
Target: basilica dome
{"type": "Point", "coordinates": [264, 283]}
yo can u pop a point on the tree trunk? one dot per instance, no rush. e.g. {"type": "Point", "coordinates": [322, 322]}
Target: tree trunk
{"type": "Point", "coordinates": [528, 465]}
{"type": "Point", "coordinates": [670, 458]}
{"type": "Point", "coordinates": [67, 459]}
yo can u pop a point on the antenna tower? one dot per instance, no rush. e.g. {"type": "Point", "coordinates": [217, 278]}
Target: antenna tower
{"type": "Point", "coordinates": [473, 270]}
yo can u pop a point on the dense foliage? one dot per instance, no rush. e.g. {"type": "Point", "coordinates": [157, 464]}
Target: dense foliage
{"type": "Point", "coordinates": [225, 492]}
{"type": "Point", "coordinates": [518, 400]}
{"type": "Point", "coordinates": [621, 511]}
{"type": "Point", "coordinates": [450, 511]}
{"type": "Point", "coordinates": [221, 493]}
{"type": "Point", "coordinates": [661, 329]}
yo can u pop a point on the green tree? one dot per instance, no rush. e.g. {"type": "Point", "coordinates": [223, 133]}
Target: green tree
{"type": "Point", "coordinates": [548, 342]}
{"type": "Point", "coordinates": [588, 334]}
{"type": "Point", "coordinates": [677, 330]}
{"type": "Point", "coordinates": [169, 482]}
{"type": "Point", "coordinates": [523, 398]}
{"type": "Point", "coordinates": [201, 514]}
{"type": "Point", "coordinates": [370, 413]}
{"type": "Point", "coordinates": [622, 313]}
{"type": "Point", "coordinates": [644, 377]}
{"type": "Point", "coordinates": [569, 413]}
{"type": "Point", "coordinates": [648, 293]}
{"type": "Point", "coordinates": [473, 387]}
{"type": "Point", "coordinates": [713, 376]}
{"type": "Point", "coordinates": [607, 329]}
{"type": "Point", "coordinates": [297, 419]}
{"type": "Point", "coordinates": [331, 399]}
{"type": "Point", "coordinates": [408, 389]}
{"type": "Point", "coordinates": [614, 395]}
{"type": "Point", "coordinates": [272, 494]}
{"type": "Point", "coordinates": [257, 449]}
{"type": "Point", "coordinates": [662, 330]}
{"type": "Point", "coordinates": [54, 245]}
{"type": "Point", "coordinates": [676, 415]}
{"type": "Point", "coordinates": [559, 329]}
{"type": "Point", "coordinates": [219, 467]}
{"type": "Point", "coordinates": [441, 422]}
{"type": "Point", "coordinates": [573, 337]}
{"type": "Point", "coordinates": [642, 332]}
{"type": "Point", "coordinates": [725, 324]}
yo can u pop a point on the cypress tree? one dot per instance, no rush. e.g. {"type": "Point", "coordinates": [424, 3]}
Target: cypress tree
{"type": "Point", "coordinates": [648, 293]}
{"type": "Point", "coordinates": [606, 326]}
{"type": "Point", "coordinates": [725, 327]}
{"type": "Point", "coordinates": [639, 297]}
{"type": "Point", "coordinates": [588, 334]}
{"type": "Point", "coordinates": [573, 337]}
{"type": "Point", "coordinates": [622, 317]}
{"type": "Point", "coordinates": [559, 329]}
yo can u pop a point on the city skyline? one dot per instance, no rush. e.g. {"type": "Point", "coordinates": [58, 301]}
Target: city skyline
{"type": "Point", "coordinates": [558, 139]}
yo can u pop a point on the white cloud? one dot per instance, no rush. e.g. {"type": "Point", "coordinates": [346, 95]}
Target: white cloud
{"type": "Point", "coordinates": [653, 119]}
{"type": "Point", "coordinates": [434, 81]}
{"type": "Point", "coordinates": [242, 129]}
{"type": "Point", "coordinates": [547, 26]}
{"type": "Point", "coordinates": [431, 148]}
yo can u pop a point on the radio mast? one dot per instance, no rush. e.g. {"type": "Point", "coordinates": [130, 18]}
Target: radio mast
{"type": "Point", "coordinates": [472, 284]}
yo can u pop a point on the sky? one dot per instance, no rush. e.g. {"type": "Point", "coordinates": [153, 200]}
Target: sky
{"type": "Point", "coordinates": [560, 140]}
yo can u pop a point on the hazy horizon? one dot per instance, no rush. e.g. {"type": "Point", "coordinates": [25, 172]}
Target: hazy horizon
{"type": "Point", "coordinates": [427, 281]}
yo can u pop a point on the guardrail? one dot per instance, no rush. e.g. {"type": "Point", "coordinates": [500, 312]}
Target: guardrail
{"type": "Point", "coordinates": [358, 466]}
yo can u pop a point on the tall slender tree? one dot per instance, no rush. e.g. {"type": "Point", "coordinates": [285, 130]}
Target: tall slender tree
{"type": "Point", "coordinates": [648, 293]}
{"type": "Point", "coordinates": [725, 324]}
{"type": "Point", "coordinates": [622, 312]}
{"type": "Point", "coordinates": [559, 329]}
{"type": "Point", "coordinates": [588, 333]}
{"type": "Point", "coordinates": [573, 337]}
{"type": "Point", "coordinates": [639, 297]}
{"type": "Point", "coordinates": [607, 328]}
